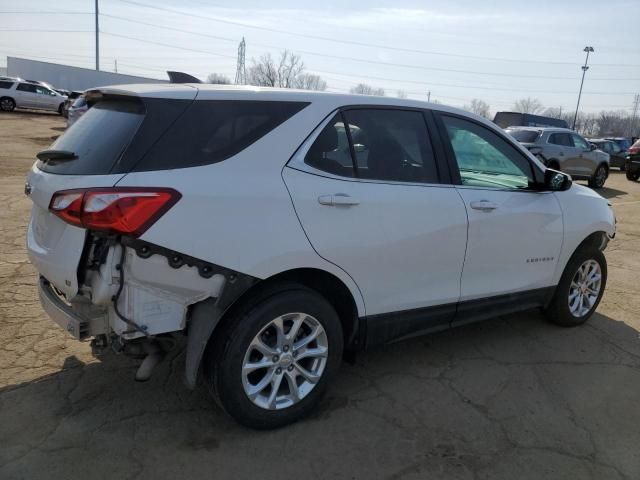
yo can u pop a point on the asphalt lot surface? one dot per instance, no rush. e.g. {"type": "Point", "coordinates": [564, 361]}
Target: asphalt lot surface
{"type": "Point", "coordinates": [513, 397]}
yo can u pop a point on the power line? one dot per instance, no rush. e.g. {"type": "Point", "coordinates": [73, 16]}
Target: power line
{"type": "Point", "coordinates": [351, 42]}
{"type": "Point", "coordinates": [25, 12]}
{"type": "Point", "coordinates": [351, 59]}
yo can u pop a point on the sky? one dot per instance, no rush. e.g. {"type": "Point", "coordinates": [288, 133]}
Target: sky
{"type": "Point", "coordinates": [497, 51]}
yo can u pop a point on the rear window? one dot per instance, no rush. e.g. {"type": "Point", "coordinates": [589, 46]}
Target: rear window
{"type": "Point", "coordinates": [211, 131]}
{"type": "Point", "coordinates": [130, 134]}
{"type": "Point", "coordinates": [98, 139]}
{"type": "Point", "coordinates": [4, 84]}
{"type": "Point", "coordinates": [524, 136]}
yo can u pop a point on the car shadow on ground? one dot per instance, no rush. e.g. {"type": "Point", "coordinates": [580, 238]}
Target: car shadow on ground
{"type": "Point", "coordinates": [476, 395]}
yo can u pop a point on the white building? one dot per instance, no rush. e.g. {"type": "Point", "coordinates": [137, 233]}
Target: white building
{"type": "Point", "coordinates": [68, 77]}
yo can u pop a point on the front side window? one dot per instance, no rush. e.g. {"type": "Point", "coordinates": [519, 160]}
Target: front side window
{"type": "Point", "coordinates": [524, 136]}
{"type": "Point", "coordinates": [485, 159]}
{"type": "Point", "coordinates": [391, 145]}
{"type": "Point", "coordinates": [330, 151]}
{"type": "Point", "coordinates": [614, 148]}
{"type": "Point", "coordinates": [580, 142]}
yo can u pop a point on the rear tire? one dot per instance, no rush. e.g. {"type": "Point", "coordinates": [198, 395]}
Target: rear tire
{"type": "Point", "coordinates": [7, 104]}
{"type": "Point", "coordinates": [599, 177]}
{"type": "Point", "coordinates": [633, 176]}
{"type": "Point", "coordinates": [577, 296]}
{"type": "Point", "coordinates": [299, 373]}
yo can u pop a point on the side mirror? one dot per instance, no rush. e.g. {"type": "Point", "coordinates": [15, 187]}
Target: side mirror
{"type": "Point", "coordinates": [556, 181]}
{"type": "Point", "coordinates": [592, 147]}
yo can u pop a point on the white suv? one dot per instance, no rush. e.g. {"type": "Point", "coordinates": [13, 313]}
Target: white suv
{"type": "Point", "coordinates": [278, 229]}
{"type": "Point", "coordinates": [20, 93]}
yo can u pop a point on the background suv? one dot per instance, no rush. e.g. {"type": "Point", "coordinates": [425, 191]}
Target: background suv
{"type": "Point", "coordinates": [564, 150]}
{"type": "Point", "coordinates": [27, 94]}
{"type": "Point", "coordinates": [278, 228]}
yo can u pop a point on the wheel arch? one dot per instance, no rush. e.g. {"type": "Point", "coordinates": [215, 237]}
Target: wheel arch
{"type": "Point", "coordinates": [596, 239]}
{"type": "Point", "coordinates": [206, 318]}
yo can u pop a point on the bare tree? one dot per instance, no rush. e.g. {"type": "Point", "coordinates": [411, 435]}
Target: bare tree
{"type": "Point", "coordinates": [479, 107]}
{"type": "Point", "coordinates": [401, 94]}
{"type": "Point", "coordinates": [265, 72]}
{"type": "Point", "coordinates": [218, 78]}
{"type": "Point", "coordinates": [309, 81]}
{"type": "Point", "coordinates": [364, 89]}
{"type": "Point", "coordinates": [528, 105]}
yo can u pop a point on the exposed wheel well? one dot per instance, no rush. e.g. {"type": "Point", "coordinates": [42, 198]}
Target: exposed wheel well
{"type": "Point", "coordinates": [326, 284]}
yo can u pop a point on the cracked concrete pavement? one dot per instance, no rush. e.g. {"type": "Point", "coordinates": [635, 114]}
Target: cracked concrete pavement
{"type": "Point", "coordinates": [513, 397]}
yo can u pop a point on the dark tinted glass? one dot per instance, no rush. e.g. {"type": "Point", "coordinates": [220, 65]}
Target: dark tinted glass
{"type": "Point", "coordinates": [98, 139]}
{"type": "Point", "coordinates": [4, 84]}
{"type": "Point", "coordinates": [211, 131]}
{"type": "Point", "coordinates": [330, 151]}
{"type": "Point", "coordinates": [563, 139]}
{"type": "Point", "coordinates": [485, 159]}
{"type": "Point", "coordinates": [392, 145]}
{"type": "Point", "coordinates": [525, 136]}
{"type": "Point", "coordinates": [26, 87]}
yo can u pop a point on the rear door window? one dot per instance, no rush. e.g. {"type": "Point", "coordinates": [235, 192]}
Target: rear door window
{"type": "Point", "coordinates": [26, 87]}
{"type": "Point", "coordinates": [391, 145]}
{"type": "Point", "coordinates": [559, 138]}
{"type": "Point", "coordinates": [4, 84]}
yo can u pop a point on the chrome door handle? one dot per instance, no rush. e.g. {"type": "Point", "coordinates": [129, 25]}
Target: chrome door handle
{"type": "Point", "coordinates": [338, 199]}
{"type": "Point", "coordinates": [484, 205]}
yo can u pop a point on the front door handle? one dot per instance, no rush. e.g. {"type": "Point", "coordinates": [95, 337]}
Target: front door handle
{"type": "Point", "coordinates": [484, 205]}
{"type": "Point", "coordinates": [338, 200]}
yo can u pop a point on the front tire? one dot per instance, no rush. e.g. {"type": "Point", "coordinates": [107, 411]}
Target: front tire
{"type": "Point", "coordinates": [633, 176]}
{"type": "Point", "coordinates": [270, 364]}
{"type": "Point", "coordinates": [61, 109]}
{"type": "Point", "coordinates": [599, 177]}
{"type": "Point", "coordinates": [580, 289]}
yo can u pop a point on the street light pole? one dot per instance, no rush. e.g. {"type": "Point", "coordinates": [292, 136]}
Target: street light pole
{"type": "Point", "coordinates": [585, 67]}
{"type": "Point", "coordinates": [97, 39]}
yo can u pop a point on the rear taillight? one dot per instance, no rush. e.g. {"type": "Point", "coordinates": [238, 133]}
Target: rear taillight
{"type": "Point", "coordinates": [634, 150]}
{"type": "Point", "coordinates": [127, 210]}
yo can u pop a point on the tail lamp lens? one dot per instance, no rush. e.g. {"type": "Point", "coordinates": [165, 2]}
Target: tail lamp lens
{"type": "Point", "coordinates": [127, 211]}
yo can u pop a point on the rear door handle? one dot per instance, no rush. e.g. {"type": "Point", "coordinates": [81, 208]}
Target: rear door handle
{"type": "Point", "coordinates": [338, 199]}
{"type": "Point", "coordinates": [484, 205]}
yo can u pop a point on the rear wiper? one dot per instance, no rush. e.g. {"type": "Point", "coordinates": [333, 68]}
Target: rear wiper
{"type": "Point", "coordinates": [56, 155]}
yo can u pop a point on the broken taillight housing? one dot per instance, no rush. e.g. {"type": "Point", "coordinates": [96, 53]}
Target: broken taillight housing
{"type": "Point", "coordinates": [125, 210]}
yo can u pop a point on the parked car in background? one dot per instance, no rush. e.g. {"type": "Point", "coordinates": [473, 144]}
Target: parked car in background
{"type": "Point", "coordinates": [69, 101]}
{"type": "Point", "coordinates": [76, 110]}
{"type": "Point", "coordinates": [617, 156]}
{"type": "Point", "coordinates": [633, 162]}
{"type": "Point", "coordinates": [515, 119]}
{"type": "Point", "coordinates": [256, 223]}
{"type": "Point", "coordinates": [23, 94]}
{"type": "Point", "coordinates": [564, 150]}
{"type": "Point", "coordinates": [623, 142]}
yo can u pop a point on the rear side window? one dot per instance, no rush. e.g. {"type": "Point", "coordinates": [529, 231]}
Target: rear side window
{"type": "Point", "coordinates": [97, 139]}
{"type": "Point", "coordinates": [4, 84]}
{"type": "Point", "coordinates": [79, 102]}
{"type": "Point", "coordinates": [211, 131]}
{"type": "Point", "coordinates": [524, 136]}
{"type": "Point", "coordinates": [563, 139]}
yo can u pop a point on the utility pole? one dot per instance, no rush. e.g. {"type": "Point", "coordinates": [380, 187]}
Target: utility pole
{"type": "Point", "coordinates": [97, 38]}
{"type": "Point", "coordinates": [636, 105]}
{"type": "Point", "coordinates": [585, 67]}
{"type": "Point", "coordinates": [429, 96]}
{"type": "Point", "coordinates": [241, 72]}
{"type": "Point", "coordinates": [115, 64]}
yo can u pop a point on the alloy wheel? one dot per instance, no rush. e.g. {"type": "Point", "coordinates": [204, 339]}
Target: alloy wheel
{"type": "Point", "coordinates": [585, 288]}
{"type": "Point", "coordinates": [285, 361]}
